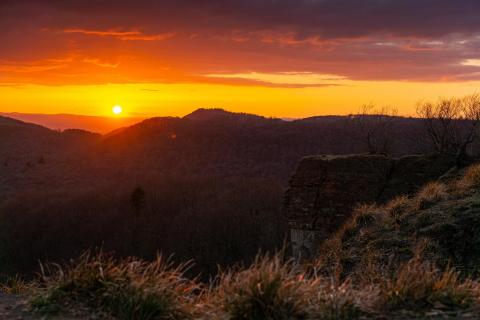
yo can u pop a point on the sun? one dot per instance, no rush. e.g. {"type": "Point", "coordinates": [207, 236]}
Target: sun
{"type": "Point", "coordinates": [117, 110]}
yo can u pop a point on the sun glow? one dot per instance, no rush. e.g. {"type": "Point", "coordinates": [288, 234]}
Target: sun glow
{"type": "Point", "coordinates": [147, 100]}
{"type": "Point", "coordinates": [117, 110]}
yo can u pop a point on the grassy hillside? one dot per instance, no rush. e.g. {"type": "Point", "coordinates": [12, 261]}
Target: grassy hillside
{"type": "Point", "coordinates": [440, 223]}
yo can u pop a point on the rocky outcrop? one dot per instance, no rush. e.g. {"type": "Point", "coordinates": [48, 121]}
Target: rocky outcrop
{"type": "Point", "coordinates": [324, 190]}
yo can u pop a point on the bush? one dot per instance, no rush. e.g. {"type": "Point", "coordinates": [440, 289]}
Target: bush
{"type": "Point", "coordinates": [127, 289]}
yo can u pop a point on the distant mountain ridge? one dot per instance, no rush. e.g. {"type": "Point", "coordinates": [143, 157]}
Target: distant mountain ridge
{"type": "Point", "coordinates": [205, 142]}
{"type": "Point", "coordinates": [9, 121]}
{"type": "Point", "coordinates": [71, 121]}
{"type": "Point", "coordinates": [204, 114]}
{"type": "Point", "coordinates": [112, 125]}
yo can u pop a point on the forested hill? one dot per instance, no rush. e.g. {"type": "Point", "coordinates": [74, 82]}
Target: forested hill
{"type": "Point", "coordinates": [212, 183]}
{"type": "Point", "coordinates": [205, 142]}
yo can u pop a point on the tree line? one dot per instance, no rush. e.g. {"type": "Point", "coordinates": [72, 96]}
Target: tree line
{"type": "Point", "coordinates": [451, 126]}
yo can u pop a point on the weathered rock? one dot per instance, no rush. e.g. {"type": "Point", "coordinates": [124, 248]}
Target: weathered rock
{"type": "Point", "coordinates": [412, 172]}
{"type": "Point", "coordinates": [324, 190]}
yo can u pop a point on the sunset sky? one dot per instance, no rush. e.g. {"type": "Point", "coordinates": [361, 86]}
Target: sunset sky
{"type": "Point", "coordinates": [285, 58]}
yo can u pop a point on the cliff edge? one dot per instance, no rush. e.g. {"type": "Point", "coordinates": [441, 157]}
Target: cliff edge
{"type": "Point", "coordinates": [325, 189]}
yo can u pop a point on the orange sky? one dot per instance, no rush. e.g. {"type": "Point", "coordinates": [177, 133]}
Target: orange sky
{"type": "Point", "coordinates": [145, 100]}
{"type": "Point", "coordinates": [280, 58]}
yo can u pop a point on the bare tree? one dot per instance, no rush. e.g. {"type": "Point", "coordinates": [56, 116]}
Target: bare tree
{"type": "Point", "coordinates": [452, 125]}
{"type": "Point", "coordinates": [374, 128]}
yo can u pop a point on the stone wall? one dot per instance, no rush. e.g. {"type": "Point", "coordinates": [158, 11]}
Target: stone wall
{"type": "Point", "coordinates": [324, 190]}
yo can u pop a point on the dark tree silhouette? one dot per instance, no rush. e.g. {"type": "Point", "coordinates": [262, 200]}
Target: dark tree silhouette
{"type": "Point", "coordinates": [452, 125]}
{"type": "Point", "coordinates": [137, 199]}
{"type": "Point", "coordinates": [373, 128]}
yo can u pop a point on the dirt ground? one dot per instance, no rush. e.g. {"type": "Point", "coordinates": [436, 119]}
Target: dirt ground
{"type": "Point", "coordinates": [13, 307]}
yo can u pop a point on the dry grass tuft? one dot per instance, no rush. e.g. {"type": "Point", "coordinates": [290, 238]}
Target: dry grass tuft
{"type": "Point", "coordinates": [127, 289]}
{"type": "Point", "coordinates": [328, 260]}
{"type": "Point", "coordinates": [333, 251]}
{"type": "Point", "coordinates": [365, 215]}
{"type": "Point", "coordinates": [340, 302]}
{"type": "Point", "coordinates": [420, 286]}
{"type": "Point", "coordinates": [362, 217]}
{"type": "Point", "coordinates": [471, 179]}
{"type": "Point", "coordinates": [397, 208]}
{"type": "Point", "coordinates": [273, 289]}
{"type": "Point", "coordinates": [269, 289]}
{"type": "Point", "coordinates": [16, 285]}
{"type": "Point", "coordinates": [430, 194]}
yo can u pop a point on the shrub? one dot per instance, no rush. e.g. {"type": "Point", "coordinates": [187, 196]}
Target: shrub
{"type": "Point", "coordinates": [128, 289]}
{"type": "Point", "coordinates": [430, 194]}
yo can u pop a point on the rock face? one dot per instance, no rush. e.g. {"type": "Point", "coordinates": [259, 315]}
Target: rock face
{"type": "Point", "coordinates": [324, 190]}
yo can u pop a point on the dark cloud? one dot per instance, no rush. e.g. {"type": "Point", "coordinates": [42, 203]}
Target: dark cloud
{"type": "Point", "coordinates": [323, 18]}
{"type": "Point", "coordinates": [367, 39]}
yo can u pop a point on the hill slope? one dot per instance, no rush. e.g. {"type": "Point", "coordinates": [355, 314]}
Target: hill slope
{"type": "Point", "coordinates": [441, 223]}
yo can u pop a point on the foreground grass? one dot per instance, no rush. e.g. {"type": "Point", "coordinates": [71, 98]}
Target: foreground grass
{"type": "Point", "coordinates": [127, 289]}
{"type": "Point", "coordinates": [269, 289]}
{"type": "Point", "coordinates": [419, 287]}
